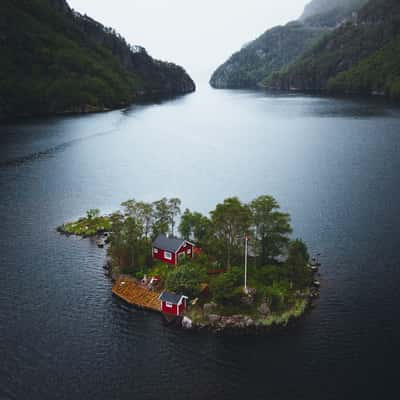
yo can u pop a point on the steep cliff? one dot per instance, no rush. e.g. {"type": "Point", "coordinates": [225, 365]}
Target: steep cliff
{"type": "Point", "coordinates": [62, 61]}
{"type": "Point", "coordinates": [268, 53]}
{"type": "Point", "coordinates": [280, 46]}
{"type": "Point", "coordinates": [360, 56]}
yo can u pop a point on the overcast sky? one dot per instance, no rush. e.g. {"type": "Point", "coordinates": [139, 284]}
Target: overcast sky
{"type": "Point", "coordinates": [197, 34]}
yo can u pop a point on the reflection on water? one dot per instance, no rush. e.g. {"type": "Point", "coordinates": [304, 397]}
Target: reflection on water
{"type": "Point", "coordinates": [332, 163]}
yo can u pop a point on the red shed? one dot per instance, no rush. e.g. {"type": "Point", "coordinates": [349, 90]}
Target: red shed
{"type": "Point", "coordinates": [173, 304]}
{"type": "Point", "coordinates": [172, 250]}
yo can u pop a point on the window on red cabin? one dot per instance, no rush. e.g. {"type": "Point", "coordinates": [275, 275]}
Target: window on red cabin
{"type": "Point", "coordinates": [189, 250]}
{"type": "Point", "coordinates": [168, 305]}
{"type": "Point", "coordinates": [155, 251]}
{"type": "Point", "coordinates": [167, 255]}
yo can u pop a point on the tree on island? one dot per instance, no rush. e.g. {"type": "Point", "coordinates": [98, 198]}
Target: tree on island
{"type": "Point", "coordinates": [297, 264]}
{"type": "Point", "coordinates": [92, 213]}
{"type": "Point", "coordinates": [195, 226]}
{"type": "Point", "coordinates": [142, 212]}
{"type": "Point", "coordinates": [165, 212]}
{"type": "Point", "coordinates": [186, 279]}
{"type": "Point", "coordinates": [271, 229]}
{"type": "Point", "coordinates": [174, 206]}
{"type": "Point", "coordinates": [231, 221]}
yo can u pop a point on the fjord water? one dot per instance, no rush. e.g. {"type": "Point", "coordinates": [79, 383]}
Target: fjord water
{"type": "Point", "coordinates": [332, 163]}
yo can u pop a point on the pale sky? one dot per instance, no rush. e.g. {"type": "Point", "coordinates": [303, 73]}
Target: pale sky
{"type": "Point", "coordinates": [197, 34]}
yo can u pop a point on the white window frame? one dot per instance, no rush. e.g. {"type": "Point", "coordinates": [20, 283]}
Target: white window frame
{"type": "Point", "coordinates": [168, 304]}
{"type": "Point", "coordinates": [189, 251]}
{"type": "Point", "coordinates": [168, 255]}
{"type": "Point", "coordinates": [155, 250]}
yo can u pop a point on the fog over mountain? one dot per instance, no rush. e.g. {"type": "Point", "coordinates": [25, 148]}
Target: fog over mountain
{"type": "Point", "coordinates": [199, 35]}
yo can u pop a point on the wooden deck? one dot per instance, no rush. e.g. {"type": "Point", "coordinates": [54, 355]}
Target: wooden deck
{"type": "Point", "coordinates": [133, 293]}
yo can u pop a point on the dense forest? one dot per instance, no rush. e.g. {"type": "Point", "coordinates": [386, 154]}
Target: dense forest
{"type": "Point", "coordinates": [358, 57]}
{"type": "Point", "coordinates": [54, 60]}
{"type": "Point", "coordinates": [282, 45]}
{"type": "Point", "coordinates": [267, 54]}
{"type": "Point", "coordinates": [356, 51]}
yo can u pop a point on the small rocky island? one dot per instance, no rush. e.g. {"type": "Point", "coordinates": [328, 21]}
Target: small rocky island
{"type": "Point", "coordinates": [236, 270]}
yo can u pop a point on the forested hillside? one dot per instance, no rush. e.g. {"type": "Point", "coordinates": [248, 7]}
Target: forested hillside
{"type": "Point", "coordinates": [282, 45]}
{"type": "Point", "coordinates": [270, 52]}
{"type": "Point", "coordinates": [54, 60]}
{"type": "Point", "coordinates": [361, 56]}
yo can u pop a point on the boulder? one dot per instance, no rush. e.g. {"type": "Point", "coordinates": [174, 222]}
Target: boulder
{"type": "Point", "coordinates": [213, 318]}
{"type": "Point", "coordinates": [187, 323]}
{"type": "Point", "coordinates": [249, 297]}
{"type": "Point", "coordinates": [264, 309]}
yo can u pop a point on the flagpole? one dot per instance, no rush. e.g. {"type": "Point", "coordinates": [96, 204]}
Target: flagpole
{"type": "Point", "coordinates": [245, 265]}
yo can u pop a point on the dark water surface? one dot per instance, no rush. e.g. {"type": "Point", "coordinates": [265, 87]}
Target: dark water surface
{"type": "Point", "coordinates": [333, 164]}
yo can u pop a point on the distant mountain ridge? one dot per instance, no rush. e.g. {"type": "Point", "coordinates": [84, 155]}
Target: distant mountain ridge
{"type": "Point", "coordinates": [353, 48]}
{"type": "Point", "coordinates": [62, 61]}
{"type": "Point", "coordinates": [339, 9]}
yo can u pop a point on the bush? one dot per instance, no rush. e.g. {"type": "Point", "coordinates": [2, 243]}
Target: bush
{"type": "Point", "coordinates": [276, 295]}
{"type": "Point", "coordinates": [186, 279]}
{"type": "Point", "coordinates": [228, 287]}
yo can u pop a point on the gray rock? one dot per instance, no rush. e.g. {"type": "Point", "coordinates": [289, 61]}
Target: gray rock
{"type": "Point", "coordinates": [187, 323]}
{"type": "Point", "coordinates": [264, 309]}
{"type": "Point", "coordinates": [249, 297]}
{"type": "Point", "coordinates": [213, 318]}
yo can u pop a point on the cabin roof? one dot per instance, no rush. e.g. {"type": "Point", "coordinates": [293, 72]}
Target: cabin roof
{"type": "Point", "coordinates": [170, 244]}
{"type": "Point", "coordinates": [171, 297]}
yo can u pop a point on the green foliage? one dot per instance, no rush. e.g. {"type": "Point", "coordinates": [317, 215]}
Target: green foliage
{"type": "Point", "coordinates": [165, 212]}
{"type": "Point", "coordinates": [379, 73]}
{"type": "Point", "coordinates": [297, 267]}
{"type": "Point", "coordinates": [64, 62]}
{"type": "Point", "coordinates": [90, 226]}
{"type": "Point", "coordinates": [186, 279]}
{"type": "Point", "coordinates": [228, 287]}
{"type": "Point", "coordinates": [93, 213]}
{"type": "Point", "coordinates": [129, 247]}
{"type": "Point", "coordinates": [271, 229]}
{"type": "Point", "coordinates": [265, 55]}
{"type": "Point", "coordinates": [141, 211]}
{"type": "Point", "coordinates": [357, 57]}
{"type": "Point", "coordinates": [231, 221]}
{"type": "Point", "coordinates": [259, 62]}
{"type": "Point", "coordinates": [195, 226]}
{"type": "Point", "coordinates": [276, 295]}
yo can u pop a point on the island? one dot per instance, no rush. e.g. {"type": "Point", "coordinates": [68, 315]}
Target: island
{"type": "Point", "coordinates": [235, 270]}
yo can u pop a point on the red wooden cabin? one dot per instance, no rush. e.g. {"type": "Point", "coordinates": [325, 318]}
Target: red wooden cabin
{"type": "Point", "coordinates": [172, 250]}
{"type": "Point", "coordinates": [173, 304]}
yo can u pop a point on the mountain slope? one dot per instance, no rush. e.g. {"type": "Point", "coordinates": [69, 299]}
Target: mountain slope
{"type": "Point", "coordinates": [62, 61]}
{"type": "Point", "coordinates": [330, 12]}
{"type": "Point", "coordinates": [358, 57]}
{"type": "Point", "coordinates": [268, 53]}
{"type": "Point", "coordinates": [280, 46]}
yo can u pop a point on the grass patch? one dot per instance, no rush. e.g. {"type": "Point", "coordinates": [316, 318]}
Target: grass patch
{"type": "Point", "coordinates": [87, 226]}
